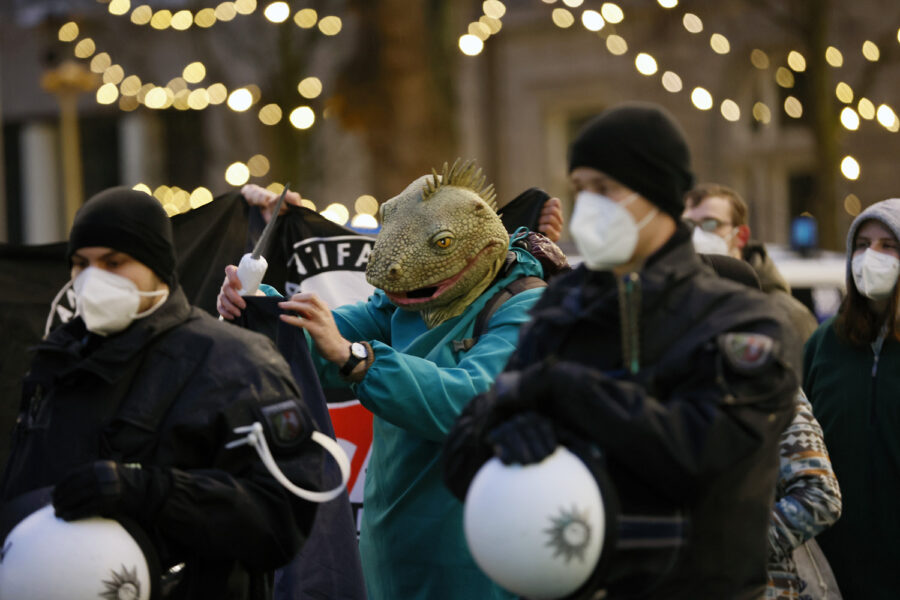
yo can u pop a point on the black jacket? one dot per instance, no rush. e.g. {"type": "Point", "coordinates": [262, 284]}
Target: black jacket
{"type": "Point", "coordinates": [167, 393]}
{"type": "Point", "coordinates": [687, 422]}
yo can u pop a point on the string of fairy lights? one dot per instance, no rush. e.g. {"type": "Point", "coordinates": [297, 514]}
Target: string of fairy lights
{"type": "Point", "coordinates": [187, 92]}
{"type": "Point", "coordinates": [855, 109]}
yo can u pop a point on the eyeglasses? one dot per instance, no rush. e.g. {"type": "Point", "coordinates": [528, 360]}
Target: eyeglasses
{"type": "Point", "coordinates": [709, 224]}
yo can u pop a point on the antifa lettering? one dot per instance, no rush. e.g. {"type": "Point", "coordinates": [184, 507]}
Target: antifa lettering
{"type": "Point", "coordinates": [339, 253]}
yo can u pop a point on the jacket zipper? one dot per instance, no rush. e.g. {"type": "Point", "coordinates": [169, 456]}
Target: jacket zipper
{"type": "Point", "coordinates": [629, 313]}
{"type": "Point", "coordinates": [876, 351]}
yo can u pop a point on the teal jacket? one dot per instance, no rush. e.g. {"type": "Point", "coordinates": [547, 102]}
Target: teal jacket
{"type": "Point", "coordinates": [411, 541]}
{"type": "Point", "coordinates": [856, 399]}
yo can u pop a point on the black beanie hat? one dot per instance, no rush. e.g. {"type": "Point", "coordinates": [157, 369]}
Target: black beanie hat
{"type": "Point", "coordinates": [131, 222]}
{"type": "Point", "coordinates": [641, 146]}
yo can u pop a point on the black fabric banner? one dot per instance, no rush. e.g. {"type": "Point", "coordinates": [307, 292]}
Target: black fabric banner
{"type": "Point", "coordinates": [328, 565]}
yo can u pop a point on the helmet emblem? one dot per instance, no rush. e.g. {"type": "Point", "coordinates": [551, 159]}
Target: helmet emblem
{"type": "Point", "coordinates": [569, 533]}
{"type": "Point", "coordinates": [124, 585]}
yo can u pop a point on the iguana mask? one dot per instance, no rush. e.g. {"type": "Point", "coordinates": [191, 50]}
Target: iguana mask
{"type": "Point", "coordinates": [441, 243]}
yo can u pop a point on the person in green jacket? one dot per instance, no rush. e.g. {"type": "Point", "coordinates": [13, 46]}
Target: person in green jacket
{"type": "Point", "coordinates": [852, 378]}
{"type": "Point", "coordinates": [413, 356]}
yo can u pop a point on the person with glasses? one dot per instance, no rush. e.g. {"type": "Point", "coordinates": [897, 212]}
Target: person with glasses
{"type": "Point", "coordinates": [718, 216]}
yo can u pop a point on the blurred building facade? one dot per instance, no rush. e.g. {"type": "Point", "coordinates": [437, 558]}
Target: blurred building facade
{"type": "Point", "coordinates": [392, 105]}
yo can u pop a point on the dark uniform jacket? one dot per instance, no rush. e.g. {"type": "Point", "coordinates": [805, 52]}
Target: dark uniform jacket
{"type": "Point", "coordinates": [686, 414]}
{"type": "Point", "coordinates": [167, 393]}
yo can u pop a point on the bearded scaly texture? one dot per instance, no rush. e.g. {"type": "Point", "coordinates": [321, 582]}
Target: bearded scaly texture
{"type": "Point", "coordinates": [441, 243]}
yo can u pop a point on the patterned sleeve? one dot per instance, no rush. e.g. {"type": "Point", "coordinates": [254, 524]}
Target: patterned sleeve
{"type": "Point", "coordinates": [808, 499]}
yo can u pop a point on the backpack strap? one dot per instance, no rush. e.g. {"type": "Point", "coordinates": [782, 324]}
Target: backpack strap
{"type": "Point", "coordinates": [514, 287]}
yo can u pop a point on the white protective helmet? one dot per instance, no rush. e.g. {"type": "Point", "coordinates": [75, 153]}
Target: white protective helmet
{"type": "Point", "coordinates": [536, 530]}
{"type": "Point", "coordinates": [46, 558]}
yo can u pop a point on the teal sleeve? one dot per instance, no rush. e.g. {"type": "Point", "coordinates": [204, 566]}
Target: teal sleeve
{"type": "Point", "coordinates": [425, 398]}
{"type": "Point", "coordinates": [268, 290]}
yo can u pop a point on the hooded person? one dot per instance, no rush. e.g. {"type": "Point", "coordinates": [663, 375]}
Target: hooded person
{"type": "Point", "coordinates": [128, 408]}
{"type": "Point", "coordinates": [850, 369]}
{"type": "Point", "coordinates": [673, 381]}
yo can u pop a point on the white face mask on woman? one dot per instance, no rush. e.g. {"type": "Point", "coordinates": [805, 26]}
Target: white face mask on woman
{"type": "Point", "coordinates": [875, 273]}
{"type": "Point", "coordinates": [604, 231]}
{"type": "Point", "coordinates": [109, 303]}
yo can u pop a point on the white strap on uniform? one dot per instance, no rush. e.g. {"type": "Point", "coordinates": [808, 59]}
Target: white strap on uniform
{"type": "Point", "coordinates": [256, 437]}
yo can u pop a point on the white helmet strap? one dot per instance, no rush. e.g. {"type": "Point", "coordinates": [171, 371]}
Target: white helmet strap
{"type": "Point", "coordinates": [255, 436]}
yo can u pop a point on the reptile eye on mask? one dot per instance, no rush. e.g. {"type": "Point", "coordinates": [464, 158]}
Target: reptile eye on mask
{"type": "Point", "coordinates": [604, 231]}
{"type": "Point", "coordinates": [108, 302]}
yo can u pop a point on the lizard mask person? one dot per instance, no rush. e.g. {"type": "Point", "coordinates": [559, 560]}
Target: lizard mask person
{"type": "Point", "coordinates": [413, 356]}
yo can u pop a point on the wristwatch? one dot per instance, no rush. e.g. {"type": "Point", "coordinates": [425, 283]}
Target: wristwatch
{"type": "Point", "coordinates": [358, 353]}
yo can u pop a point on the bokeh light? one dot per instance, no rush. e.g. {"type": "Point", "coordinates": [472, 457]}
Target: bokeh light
{"type": "Point", "coordinates": [277, 12]}
{"type": "Point", "coordinates": [336, 213]}
{"type": "Point", "coordinates": [240, 100]}
{"type": "Point", "coordinates": [843, 92]}
{"type": "Point", "coordinates": [849, 119]}
{"type": "Point", "coordinates": [796, 61]}
{"type": "Point", "coordinates": [852, 205]}
{"type": "Point", "coordinates": [194, 72]}
{"type": "Point", "coordinates": [270, 114]}
{"type": "Point", "coordinates": [730, 110]}
{"type": "Point", "coordinates": [562, 17]}
{"type": "Point", "coordinates": [470, 45]}
{"type": "Point", "coordinates": [645, 64]}
{"type": "Point", "coordinates": [237, 174]}
{"type": "Point", "coordinates": [592, 20]}
{"type": "Point", "coordinates": [701, 98]}
{"type": "Point", "coordinates": [258, 165]}
{"type": "Point", "coordinates": [866, 109]}
{"type": "Point", "coordinates": [310, 87]}
{"type": "Point", "coordinates": [793, 107]}
{"type": "Point", "coordinates": [306, 18]}
{"type": "Point", "coordinates": [719, 43]}
{"type": "Point", "coordinates": [68, 32]}
{"type": "Point", "coordinates": [302, 117]}
{"type": "Point", "coordinates": [759, 59]}
{"type": "Point", "coordinates": [612, 13]}
{"type": "Point", "coordinates": [330, 25]}
{"type": "Point", "coordinates": [671, 82]}
{"type": "Point", "coordinates": [366, 205]}
{"type": "Point", "coordinates": [616, 44]}
{"type": "Point", "coordinates": [762, 113]}
{"type": "Point", "coordinates": [850, 168]}
{"type": "Point", "coordinates": [692, 23]}
{"type": "Point", "coordinates": [871, 51]}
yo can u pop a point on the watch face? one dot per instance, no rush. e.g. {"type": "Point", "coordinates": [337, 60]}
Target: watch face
{"type": "Point", "coordinates": [358, 350]}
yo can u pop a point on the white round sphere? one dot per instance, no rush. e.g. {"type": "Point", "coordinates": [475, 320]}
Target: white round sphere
{"type": "Point", "coordinates": [46, 558]}
{"type": "Point", "coordinates": [536, 530]}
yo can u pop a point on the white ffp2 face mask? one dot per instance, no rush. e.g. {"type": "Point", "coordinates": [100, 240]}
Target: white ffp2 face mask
{"type": "Point", "coordinates": [109, 303]}
{"type": "Point", "coordinates": [604, 231]}
{"type": "Point", "coordinates": [706, 242]}
{"type": "Point", "coordinates": [875, 273]}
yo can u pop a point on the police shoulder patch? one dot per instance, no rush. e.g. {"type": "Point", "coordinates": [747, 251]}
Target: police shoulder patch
{"type": "Point", "coordinates": [285, 424]}
{"type": "Point", "coordinates": [746, 352]}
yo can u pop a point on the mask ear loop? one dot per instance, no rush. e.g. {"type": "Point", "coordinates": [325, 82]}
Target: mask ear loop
{"type": "Point", "coordinates": [257, 438]}
{"type": "Point", "coordinates": [53, 306]}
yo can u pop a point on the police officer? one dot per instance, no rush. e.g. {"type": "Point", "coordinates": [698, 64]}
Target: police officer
{"type": "Point", "coordinates": [679, 381]}
{"type": "Point", "coordinates": [128, 407]}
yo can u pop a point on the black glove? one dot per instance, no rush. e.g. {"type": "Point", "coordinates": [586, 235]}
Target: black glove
{"type": "Point", "coordinates": [520, 390]}
{"type": "Point", "coordinates": [525, 438]}
{"type": "Point", "coordinates": [108, 489]}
